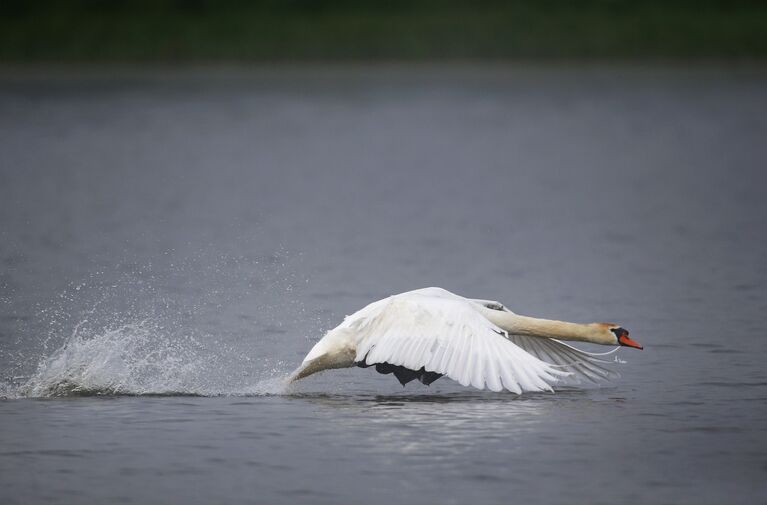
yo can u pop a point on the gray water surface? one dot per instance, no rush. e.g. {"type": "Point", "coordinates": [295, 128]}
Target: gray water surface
{"type": "Point", "coordinates": [173, 242]}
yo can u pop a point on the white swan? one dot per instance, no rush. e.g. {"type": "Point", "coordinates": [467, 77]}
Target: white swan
{"type": "Point", "coordinates": [427, 333]}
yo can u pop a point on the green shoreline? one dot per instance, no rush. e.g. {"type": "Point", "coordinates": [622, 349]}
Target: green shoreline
{"type": "Point", "coordinates": [316, 30]}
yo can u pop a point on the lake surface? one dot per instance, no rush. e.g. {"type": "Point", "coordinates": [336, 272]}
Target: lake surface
{"type": "Point", "coordinates": [172, 243]}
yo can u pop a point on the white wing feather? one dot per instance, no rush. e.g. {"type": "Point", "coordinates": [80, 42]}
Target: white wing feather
{"type": "Point", "coordinates": [581, 364]}
{"type": "Point", "coordinates": [443, 333]}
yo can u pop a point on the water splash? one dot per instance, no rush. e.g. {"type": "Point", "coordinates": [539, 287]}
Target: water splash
{"type": "Point", "coordinates": [206, 325]}
{"type": "Point", "coordinates": [136, 359]}
{"type": "Point", "coordinates": [130, 359]}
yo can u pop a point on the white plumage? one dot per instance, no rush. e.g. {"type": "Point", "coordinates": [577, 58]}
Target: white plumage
{"type": "Point", "coordinates": [432, 332]}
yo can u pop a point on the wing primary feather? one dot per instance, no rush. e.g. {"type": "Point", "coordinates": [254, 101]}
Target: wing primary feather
{"type": "Point", "coordinates": [478, 367]}
{"type": "Point", "coordinates": [559, 360]}
{"type": "Point", "coordinates": [492, 373]}
{"type": "Point", "coordinates": [565, 356]}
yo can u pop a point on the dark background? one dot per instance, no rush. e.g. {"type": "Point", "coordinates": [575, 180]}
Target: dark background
{"type": "Point", "coordinates": [301, 30]}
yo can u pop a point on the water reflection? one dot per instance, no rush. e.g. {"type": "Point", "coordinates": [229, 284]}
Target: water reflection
{"type": "Point", "coordinates": [434, 426]}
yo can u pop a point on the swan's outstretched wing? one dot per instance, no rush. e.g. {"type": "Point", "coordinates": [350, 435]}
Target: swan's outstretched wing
{"type": "Point", "coordinates": [446, 335]}
{"type": "Point", "coordinates": [581, 364]}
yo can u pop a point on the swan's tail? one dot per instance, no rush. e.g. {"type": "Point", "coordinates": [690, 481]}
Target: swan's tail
{"type": "Point", "coordinates": [309, 367]}
{"type": "Point", "coordinates": [298, 374]}
{"type": "Point", "coordinates": [326, 361]}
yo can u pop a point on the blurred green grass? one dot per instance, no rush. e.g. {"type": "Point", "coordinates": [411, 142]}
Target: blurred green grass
{"type": "Point", "coordinates": [321, 30]}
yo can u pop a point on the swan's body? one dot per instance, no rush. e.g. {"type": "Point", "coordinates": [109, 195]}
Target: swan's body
{"type": "Point", "coordinates": [431, 332]}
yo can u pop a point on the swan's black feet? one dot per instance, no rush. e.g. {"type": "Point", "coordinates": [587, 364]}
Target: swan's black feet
{"type": "Point", "coordinates": [403, 375]}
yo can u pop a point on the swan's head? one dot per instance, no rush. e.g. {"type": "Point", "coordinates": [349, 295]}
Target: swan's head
{"type": "Point", "coordinates": [621, 336]}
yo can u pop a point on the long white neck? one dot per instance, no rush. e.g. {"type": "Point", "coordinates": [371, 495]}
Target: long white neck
{"type": "Point", "coordinates": [548, 328]}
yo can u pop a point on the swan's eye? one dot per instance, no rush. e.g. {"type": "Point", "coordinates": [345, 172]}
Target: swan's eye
{"type": "Point", "coordinates": [620, 332]}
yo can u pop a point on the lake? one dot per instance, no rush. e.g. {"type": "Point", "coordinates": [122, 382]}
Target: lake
{"type": "Point", "coordinates": [173, 242]}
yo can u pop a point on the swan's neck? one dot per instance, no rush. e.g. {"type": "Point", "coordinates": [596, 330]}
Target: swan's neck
{"type": "Point", "coordinates": [548, 328]}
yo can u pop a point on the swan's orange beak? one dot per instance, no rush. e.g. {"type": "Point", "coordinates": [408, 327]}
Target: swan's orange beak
{"type": "Point", "coordinates": [628, 342]}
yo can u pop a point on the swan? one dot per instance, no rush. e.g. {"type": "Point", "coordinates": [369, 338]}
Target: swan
{"type": "Point", "coordinates": [431, 332]}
